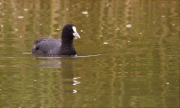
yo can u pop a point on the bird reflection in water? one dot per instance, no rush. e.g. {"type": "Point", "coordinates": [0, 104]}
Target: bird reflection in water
{"type": "Point", "coordinates": [64, 65]}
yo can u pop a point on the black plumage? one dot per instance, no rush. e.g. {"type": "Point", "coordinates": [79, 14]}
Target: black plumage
{"type": "Point", "coordinates": [52, 46]}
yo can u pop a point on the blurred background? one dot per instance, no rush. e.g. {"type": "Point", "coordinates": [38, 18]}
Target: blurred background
{"type": "Point", "coordinates": [128, 54]}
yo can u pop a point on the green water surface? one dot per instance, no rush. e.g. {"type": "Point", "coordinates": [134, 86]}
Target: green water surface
{"type": "Point", "coordinates": [128, 54]}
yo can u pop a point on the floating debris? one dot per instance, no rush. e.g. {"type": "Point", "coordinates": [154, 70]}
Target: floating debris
{"type": "Point", "coordinates": [85, 12]}
{"type": "Point", "coordinates": [26, 9]}
{"type": "Point", "coordinates": [128, 25]}
{"type": "Point", "coordinates": [105, 43]}
{"type": "Point", "coordinates": [20, 16]}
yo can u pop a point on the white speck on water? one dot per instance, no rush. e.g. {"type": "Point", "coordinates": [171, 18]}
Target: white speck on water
{"type": "Point", "coordinates": [0, 3]}
{"type": "Point", "coordinates": [126, 72]}
{"type": "Point", "coordinates": [72, 5]}
{"type": "Point", "coordinates": [49, 36]}
{"type": "Point", "coordinates": [94, 99]}
{"type": "Point", "coordinates": [128, 41]}
{"type": "Point", "coordinates": [1, 25]}
{"type": "Point", "coordinates": [173, 24]}
{"type": "Point", "coordinates": [74, 91]}
{"type": "Point", "coordinates": [105, 43]}
{"type": "Point", "coordinates": [107, 5]}
{"type": "Point", "coordinates": [100, 35]}
{"type": "Point", "coordinates": [140, 33]}
{"type": "Point", "coordinates": [153, 21]}
{"type": "Point", "coordinates": [102, 28]}
{"type": "Point", "coordinates": [84, 12]}
{"type": "Point", "coordinates": [167, 83]}
{"type": "Point", "coordinates": [26, 9]}
{"type": "Point", "coordinates": [58, 29]}
{"type": "Point", "coordinates": [20, 36]}
{"type": "Point", "coordinates": [76, 82]}
{"type": "Point", "coordinates": [0, 89]}
{"type": "Point", "coordinates": [34, 80]}
{"type": "Point", "coordinates": [16, 29]}
{"type": "Point", "coordinates": [40, 24]}
{"type": "Point", "coordinates": [81, 30]}
{"type": "Point", "coordinates": [27, 99]}
{"type": "Point", "coordinates": [163, 16]}
{"type": "Point", "coordinates": [117, 28]}
{"type": "Point", "coordinates": [128, 25]}
{"type": "Point", "coordinates": [163, 4]}
{"type": "Point", "coordinates": [67, 9]}
{"type": "Point", "coordinates": [127, 63]}
{"type": "Point", "coordinates": [20, 16]}
{"type": "Point", "coordinates": [2, 14]}
{"type": "Point", "coordinates": [76, 77]}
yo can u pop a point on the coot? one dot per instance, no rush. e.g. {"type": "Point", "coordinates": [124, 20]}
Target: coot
{"type": "Point", "coordinates": [52, 46]}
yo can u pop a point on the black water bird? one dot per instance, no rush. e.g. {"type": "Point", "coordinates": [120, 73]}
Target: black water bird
{"type": "Point", "coordinates": [60, 47]}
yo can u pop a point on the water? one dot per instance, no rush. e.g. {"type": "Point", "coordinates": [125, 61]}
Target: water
{"type": "Point", "coordinates": [128, 54]}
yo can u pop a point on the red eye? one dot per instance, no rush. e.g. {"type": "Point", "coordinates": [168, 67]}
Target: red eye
{"type": "Point", "coordinates": [69, 28]}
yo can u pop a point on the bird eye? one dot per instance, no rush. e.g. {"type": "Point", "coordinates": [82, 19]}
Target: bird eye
{"type": "Point", "coordinates": [69, 28]}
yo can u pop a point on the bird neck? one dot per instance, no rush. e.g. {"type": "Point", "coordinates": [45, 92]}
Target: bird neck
{"type": "Point", "coordinates": [67, 47]}
{"type": "Point", "coordinates": [67, 38]}
{"type": "Point", "coordinates": [67, 50]}
{"type": "Point", "coordinates": [67, 42]}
